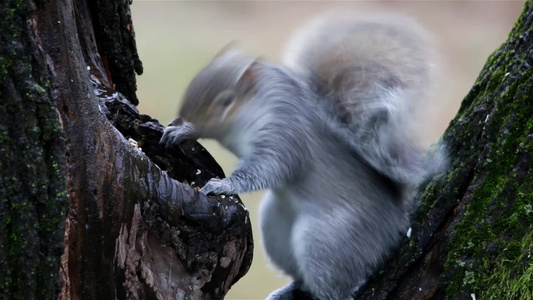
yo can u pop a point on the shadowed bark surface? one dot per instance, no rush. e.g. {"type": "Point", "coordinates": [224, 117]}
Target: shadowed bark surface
{"type": "Point", "coordinates": [73, 184]}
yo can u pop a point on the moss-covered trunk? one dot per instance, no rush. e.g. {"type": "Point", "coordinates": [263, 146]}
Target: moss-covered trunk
{"type": "Point", "coordinates": [85, 213]}
{"type": "Point", "coordinates": [32, 164]}
{"type": "Point", "coordinates": [474, 233]}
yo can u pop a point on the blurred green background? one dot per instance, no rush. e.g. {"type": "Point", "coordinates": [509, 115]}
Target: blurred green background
{"type": "Point", "coordinates": [175, 39]}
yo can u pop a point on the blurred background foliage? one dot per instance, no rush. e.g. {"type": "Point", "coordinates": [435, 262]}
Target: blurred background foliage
{"type": "Point", "coordinates": [175, 39]}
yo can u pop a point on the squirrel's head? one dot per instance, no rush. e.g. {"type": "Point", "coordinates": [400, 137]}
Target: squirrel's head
{"type": "Point", "coordinates": [216, 94]}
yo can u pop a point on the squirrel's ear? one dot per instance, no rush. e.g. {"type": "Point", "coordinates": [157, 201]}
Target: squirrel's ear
{"type": "Point", "coordinates": [248, 78]}
{"type": "Point", "coordinates": [231, 49]}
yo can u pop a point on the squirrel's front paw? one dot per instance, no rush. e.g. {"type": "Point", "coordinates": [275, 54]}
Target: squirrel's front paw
{"type": "Point", "coordinates": [178, 132]}
{"type": "Point", "coordinates": [217, 186]}
{"type": "Point", "coordinates": [172, 135]}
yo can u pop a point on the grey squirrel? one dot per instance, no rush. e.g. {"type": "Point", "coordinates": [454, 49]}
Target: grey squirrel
{"type": "Point", "coordinates": [328, 136]}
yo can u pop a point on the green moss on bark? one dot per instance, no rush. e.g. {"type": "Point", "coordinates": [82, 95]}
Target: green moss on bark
{"type": "Point", "coordinates": [492, 243]}
{"type": "Point", "coordinates": [32, 176]}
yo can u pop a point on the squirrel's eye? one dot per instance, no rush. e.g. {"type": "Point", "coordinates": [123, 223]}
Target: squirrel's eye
{"type": "Point", "coordinates": [225, 99]}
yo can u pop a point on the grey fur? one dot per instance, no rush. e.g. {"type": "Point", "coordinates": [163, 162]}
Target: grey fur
{"type": "Point", "coordinates": [372, 74]}
{"type": "Point", "coordinates": [178, 131]}
{"type": "Point", "coordinates": [336, 202]}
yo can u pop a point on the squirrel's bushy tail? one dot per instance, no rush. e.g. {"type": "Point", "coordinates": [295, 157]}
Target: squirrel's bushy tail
{"type": "Point", "coordinates": [374, 74]}
{"type": "Point", "coordinates": [345, 52]}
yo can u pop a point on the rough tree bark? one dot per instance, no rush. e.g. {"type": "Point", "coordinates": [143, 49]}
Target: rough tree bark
{"type": "Point", "coordinates": [85, 214]}
{"type": "Point", "coordinates": [32, 165]}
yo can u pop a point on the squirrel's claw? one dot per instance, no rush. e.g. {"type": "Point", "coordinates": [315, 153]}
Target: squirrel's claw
{"type": "Point", "coordinates": [217, 186]}
{"type": "Point", "coordinates": [172, 135]}
{"type": "Point", "coordinates": [177, 133]}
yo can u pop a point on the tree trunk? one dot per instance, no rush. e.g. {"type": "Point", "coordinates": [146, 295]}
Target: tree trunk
{"type": "Point", "coordinates": [33, 198]}
{"type": "Point", "coordinates": [473, 236]}
{"type": "Point", "coordinates": [85, 213]}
